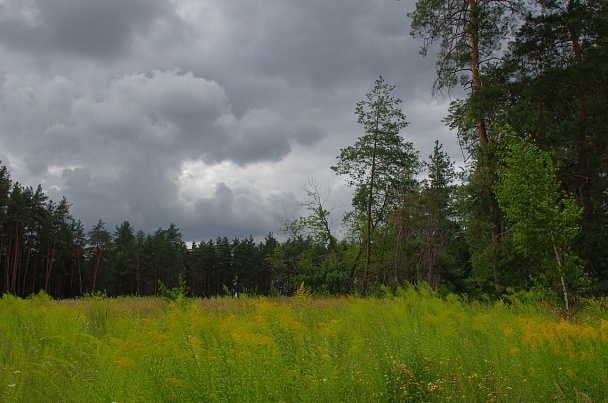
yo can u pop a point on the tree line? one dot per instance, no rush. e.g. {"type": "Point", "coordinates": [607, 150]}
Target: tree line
{"type": "Point", "coordinates": [43, 247]}
{"type": "Point", "coordinates": [529, 88]}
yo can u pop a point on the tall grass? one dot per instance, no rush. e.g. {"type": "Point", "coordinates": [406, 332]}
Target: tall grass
{"type": "Point", "coordinates": [410, 347]}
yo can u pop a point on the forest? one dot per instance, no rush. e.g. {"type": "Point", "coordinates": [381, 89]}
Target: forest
{"type": "Point", "coordinates": [529, 210]}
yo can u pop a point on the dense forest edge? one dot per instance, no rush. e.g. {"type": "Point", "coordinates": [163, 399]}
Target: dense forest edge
{"type": "Point", "coordinates": [527, 211]}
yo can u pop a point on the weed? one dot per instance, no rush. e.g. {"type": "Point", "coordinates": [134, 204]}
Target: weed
{"type": "Point", "coordinates": [410, 345]}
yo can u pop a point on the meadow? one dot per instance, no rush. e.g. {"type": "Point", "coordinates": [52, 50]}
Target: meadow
{"type": "Point", "coordinates": [412, 346]}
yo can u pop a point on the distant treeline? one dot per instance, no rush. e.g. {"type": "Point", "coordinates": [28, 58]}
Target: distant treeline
{"type": "Point", "coordinates": [43, 247]}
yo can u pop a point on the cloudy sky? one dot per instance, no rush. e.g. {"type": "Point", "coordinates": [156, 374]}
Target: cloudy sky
{"type": "Point", "coordinates": [210, 114]}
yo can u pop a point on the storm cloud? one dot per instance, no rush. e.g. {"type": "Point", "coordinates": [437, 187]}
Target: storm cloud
{"type": "Point", "coordinates": [207, 114]}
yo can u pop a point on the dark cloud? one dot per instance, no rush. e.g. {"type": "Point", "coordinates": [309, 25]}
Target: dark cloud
{"type": "Point", "coordinates": [264, 135]}
{"type": "Point", "coordinates": [204, 113]}
{"type": "Point", "coordinates": [90, 28]}
{"type": "Point", "coordinates": [119, 148]}
{"type": "Point", "coordinates": [163, 113]}
{"type": "Point", "coordinates": [76, 178]}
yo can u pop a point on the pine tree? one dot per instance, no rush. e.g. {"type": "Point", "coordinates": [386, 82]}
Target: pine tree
{"type": "Point", "coordinates": [379, 165]}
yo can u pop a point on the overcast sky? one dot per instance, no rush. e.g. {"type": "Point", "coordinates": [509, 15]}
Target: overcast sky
{"type": "Point", "coordinates": [209, 114]}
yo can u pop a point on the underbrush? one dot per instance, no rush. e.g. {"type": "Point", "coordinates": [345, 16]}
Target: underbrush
{"type": "Point", "coordinates": [413, 346]}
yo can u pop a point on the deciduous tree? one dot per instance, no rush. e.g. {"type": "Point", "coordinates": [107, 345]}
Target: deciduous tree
{"type": "Point", "coordinates": [544, 219]}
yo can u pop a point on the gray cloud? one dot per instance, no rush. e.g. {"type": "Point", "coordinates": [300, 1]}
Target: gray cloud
{"type": "Point", "coordinates": [241, 211]}
{"type": "Point", "coordinates": [164, 115]}
{"type": "Point", "coordinates": [89, 28]}
{"type": "Point", "coordinates": [208, 113]}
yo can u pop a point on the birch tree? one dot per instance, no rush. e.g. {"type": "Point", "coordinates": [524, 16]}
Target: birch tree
{"type": "Point", "coordinates": [544, 219]}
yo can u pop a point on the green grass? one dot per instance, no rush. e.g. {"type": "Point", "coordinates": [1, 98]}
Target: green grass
{"type": "Point", "coordinates": [410, 347]}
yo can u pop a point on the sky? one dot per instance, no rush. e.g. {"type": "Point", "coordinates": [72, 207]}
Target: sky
{"type": "Point", "coordinates": [209, 114]}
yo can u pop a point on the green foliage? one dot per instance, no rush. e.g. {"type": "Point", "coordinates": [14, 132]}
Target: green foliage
{"type": "Point", "coordinates": [97, 295]}
{"type": "Point", "coordinates": [41, 296]}
{"type": "Point", "coordinates": [551, 84]}
{"type": "Point", "coordinates": [440, 228]}
{"type": "Point", "coordinates": [413, 346]}
{"type": "Point", "coordinates": [99, 256]}
{"type": "Point", "coordinates": [544, 218]}
{"type": "Point", "coordinates": [529, 193]}
{"type": "Point", "coordinates": [427, 243]}
{"type": "Point", "coordinates": [454, 25]}
{"type": "Point", "coordinates": [380, 166]}
{"type": "Point", "coordinates": [303, 293]}
{"type": "Point", "coordinates": [176, 293]}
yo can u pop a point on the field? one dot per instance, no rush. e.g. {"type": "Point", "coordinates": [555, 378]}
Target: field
{"type": "Point", "coordinates": [413, 346]}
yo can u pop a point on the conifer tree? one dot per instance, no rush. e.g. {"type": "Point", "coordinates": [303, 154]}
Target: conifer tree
{"type": "Point", "coordinates": [379, 165]}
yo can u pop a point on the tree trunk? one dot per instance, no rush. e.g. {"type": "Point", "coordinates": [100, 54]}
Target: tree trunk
{"type": "Point", "coordinates": [562, 280]}
{"type": "Point", "coordinates": [476, 78]}
{"type": "Point", "coordinates": [581, 141]}
{"type": "Point", "coordinates": [27, 265]}
{"type": "Point", "coordinates": [370, 199]}
{"type": "Point", "coordinates": [49, 266]}
{"type": "Point", "coordinates": [15, 260]}
{"type": "Point", "coordinates": [97, 260]}
{"type": "Point", "coordinates": [7, 262]}
{"type": "Point", "coordinates": [138, 275]}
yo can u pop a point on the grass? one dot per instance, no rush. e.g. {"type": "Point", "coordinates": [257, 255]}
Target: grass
{"type": "Point", "coordinates": [410, 347]}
